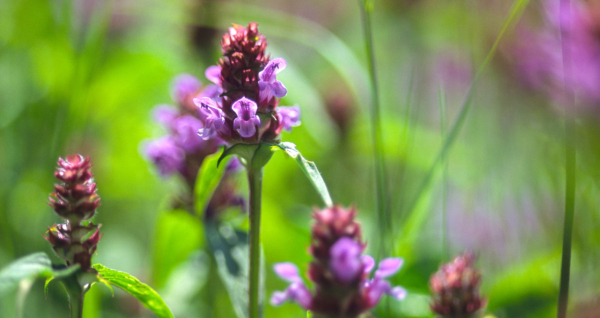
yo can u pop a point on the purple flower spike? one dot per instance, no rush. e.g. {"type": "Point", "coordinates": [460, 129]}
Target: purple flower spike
{"type": "Point", "coordinates": [185, 85]}
{"type": "Point", "coordinates": [213, 117]}
{"type": "Point", "coordinates": [268, 83]}
{"type": "Point", "coordinates": [345, 261]}
{"type": "Point", "coordinates": [213, 74]}
{"type": "Point", "coordinates": [246, 122]}
{"type": "Point", "coordinates": [185, 128]}
{"type": "Point", "coordinates": [289, 116]}
{"type": "Point", "coordinates": [167, 157]}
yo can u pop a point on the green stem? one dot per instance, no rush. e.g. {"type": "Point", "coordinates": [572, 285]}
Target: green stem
{"type": "Point", "coordinates": [570, 156]}
{"type": "Point", "coordinates": [255, 184]}
{"type": "Point", "coordinates": [383, 213]}
{"type": "Point", "coordinates": [442, 106]}
{"type": "Point", "coordinates": [76, 294]}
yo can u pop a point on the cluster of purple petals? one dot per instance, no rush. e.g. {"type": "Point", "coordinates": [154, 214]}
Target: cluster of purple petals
{"type": "Point", "coordinates": [540, 60]}
{"type": "Point", "coordinates": [244, 121]}
{"type": "Point", "coordinates": [175, 152]}
{"type": "Point", "coordinates": [347, 264]}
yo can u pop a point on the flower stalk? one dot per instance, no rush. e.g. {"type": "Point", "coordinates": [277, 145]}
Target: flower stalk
{"type": "Point", "coordinates": [255, 184]}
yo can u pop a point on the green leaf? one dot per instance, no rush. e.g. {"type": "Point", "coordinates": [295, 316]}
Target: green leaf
{"type": "Point", "coordinates": [31, 267]}
{"type": "Point", "coordinates": [244, 151]}
{"type": "Point", "coordinates": [178, 233]}
{"type": "Point", "coordinates": [210, 174]}
{"type": "Point", "coordinates": [230, 250]}
{"type": "Point", "coordinates": [146, 295]}
{"type": "Point", "coordinates": [310, 170]}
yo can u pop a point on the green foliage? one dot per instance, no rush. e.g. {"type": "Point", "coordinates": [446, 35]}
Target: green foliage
{"type": "Point", "coordinates": [310, 170]}
{"type": "Point", "coordinates": [210, 174]}
{"type": "Point", "coordinates": [33, 266]}
{"type": "Point", "coordinates": [178, 233]}
{"type": "Point", "coordinates": [146, 295]}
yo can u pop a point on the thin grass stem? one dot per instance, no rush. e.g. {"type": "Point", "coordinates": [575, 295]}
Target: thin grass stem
{"type": "Point", "coordinates": [570, 157]}
{"type": "Point", "coordinates": [383, 211]}
{"type": "Point", "coordinates": [442, 107]}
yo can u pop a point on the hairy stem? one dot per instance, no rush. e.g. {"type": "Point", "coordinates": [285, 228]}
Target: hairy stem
{"type": "Point", "coordinates": [383, 212]}
{"type": "Point", "coordinates": [76, 294]}
{"type": "Point", "coordinates": [255, 184]}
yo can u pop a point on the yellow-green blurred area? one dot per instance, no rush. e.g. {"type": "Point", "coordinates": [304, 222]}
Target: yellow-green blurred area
{"type": "Point", "coordinates": [83, 76]}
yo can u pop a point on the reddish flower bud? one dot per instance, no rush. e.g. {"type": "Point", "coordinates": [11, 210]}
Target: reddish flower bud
{"type": "Point", "coordinates": [455, 288]}
{"type": "Point", "coordinates": [74, 199]}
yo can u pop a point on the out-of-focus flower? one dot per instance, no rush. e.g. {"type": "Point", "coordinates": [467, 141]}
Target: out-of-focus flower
{"type": "Point", "coordinates": [184, 86]}
{"type": "Point", "coordinates": [165, 155]}
{"type": "Point", "coordinates": [339, 271]}
{"type": "Point", "coordinates": [540, 61]}
{"type": "Point", "coordinates": [455, 288]}
{"type": "Point", "coordinates": [289, 116]}
{"type": "Point", "coordinates": [74, 199]}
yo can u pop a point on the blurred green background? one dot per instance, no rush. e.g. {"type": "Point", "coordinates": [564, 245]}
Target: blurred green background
{"type": "Point", "coordinates": [82, 77]}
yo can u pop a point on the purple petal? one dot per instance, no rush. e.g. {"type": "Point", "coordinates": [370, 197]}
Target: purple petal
{"type": "Point", "coordinates": [345, 261]}
{"type": "Point", "coordinates": [167, 157]}
{"type": "Point", "coordinates": [398, 293]}
{"type": "Point", "coordinates": [299, 293]}
{"type": "Point", "coordinates": [287, 271]}
{"type": "Point", "coordinates": [213, 74]}
{"type": "Point", "coordinates": [245, 108]}
{"type": "Point", "coordinates": [268, 74]}
{"type": "Point", "coordinates": [207, 132]}
{"type": "Point", "coordinates": [185, 128]}
{"type": "Point", "coordinates": [389, 267]}
{"type": "Point", "coordinates": [265, 92]}
{"type": "Point", "coordinates": [246, 128]}
{"type": "Point", "coordinates": [368, 263]}
{"type": "Point", "coordinates": [279, 298]}
{"type": "Point", "coordinates": [278, 89]}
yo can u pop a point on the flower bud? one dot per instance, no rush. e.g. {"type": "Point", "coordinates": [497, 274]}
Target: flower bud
{"type": "Point", "coordinates": [455, 288]}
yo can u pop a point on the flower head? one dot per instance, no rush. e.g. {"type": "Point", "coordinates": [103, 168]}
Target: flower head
{"type": "Point", "coordinates": [455, 288]}
{"type": "Point", "coordinates": [341, 274]}
{"type": "Point", "coordinates": [74, 199]}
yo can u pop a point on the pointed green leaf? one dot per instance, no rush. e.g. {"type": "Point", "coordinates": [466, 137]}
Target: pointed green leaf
{"type": "Point", "coordinates": [210, 174]}
{"type": "Point", "coordinates": [230, 250]}
{"type": "Point", "coordinates": [146, 295]}
{"type": "Point", "coordinates": [310, 169]}
{"type": "Point", "coordinates": [31, 267]}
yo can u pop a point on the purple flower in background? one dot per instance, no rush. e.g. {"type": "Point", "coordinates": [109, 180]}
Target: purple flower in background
{"type": "Point", "coordinates": [186, 132]}
{"type": "Point", "coordinates": [289, 116]}
{"type": "Point", "coordinates": [540, 63]}
{"type": "Point", "coordinates": [268, 84]}
{"type": "Point", "coordinates": [165, 114]}
{"type": "Point", "coordinates": [165, 155]}
{"type": "Point", "coordinates": [246, 122]}
{"type": "Point", "coordinates": [213, 117]}
{"type": "Point", "coordinates": [184, 86]}
{"type": "Point", "coordinates": [345, 261]}
{"type": "Point", "coordinates": [213, 74]}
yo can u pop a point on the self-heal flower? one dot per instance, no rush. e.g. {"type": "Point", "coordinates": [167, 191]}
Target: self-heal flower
{"type": "Point", "coordinates": [186, 128]}
{"type": "Point", "coordinates": [289, 116]}
{"type": "Point", "coordinates": [213, 117]}
{"type": "Point", "coordinates": [339, 271]}
{"type": "Point", "coordinates": [246, 121]}
{"type": "Point", "coordinates": [268, 84]}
